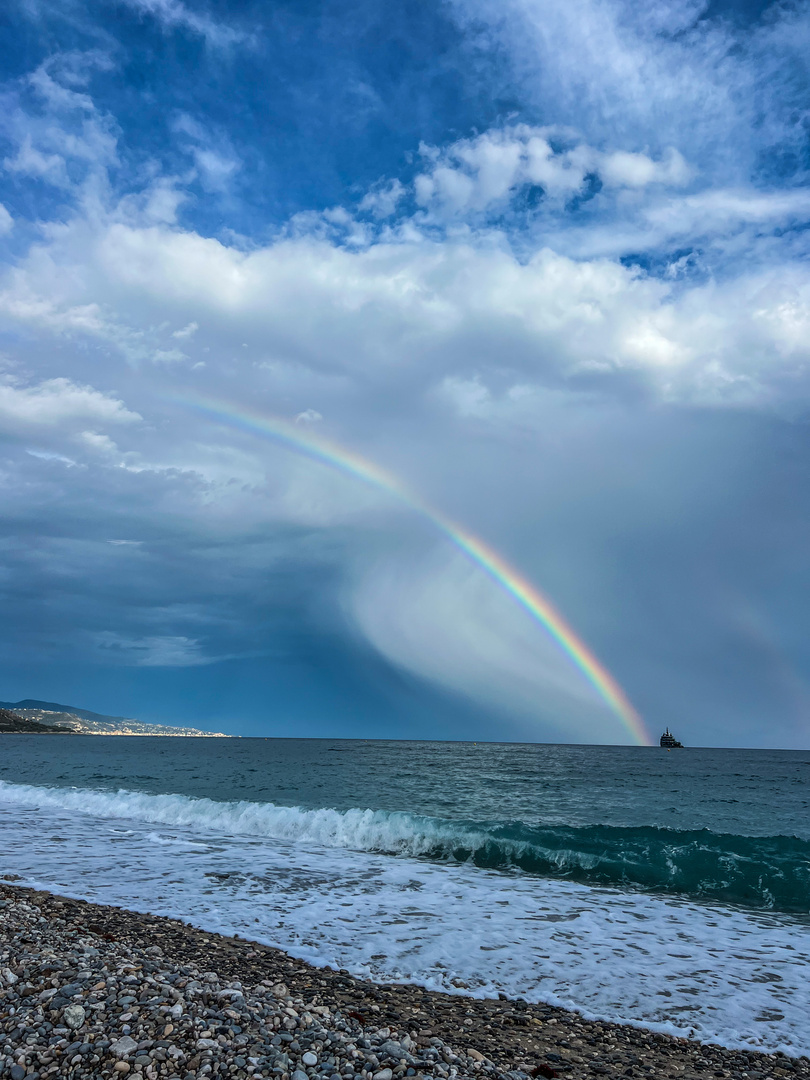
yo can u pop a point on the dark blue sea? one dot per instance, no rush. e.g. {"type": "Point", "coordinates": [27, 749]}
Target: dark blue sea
{"type": "Point", "coordinates": [665, 888]}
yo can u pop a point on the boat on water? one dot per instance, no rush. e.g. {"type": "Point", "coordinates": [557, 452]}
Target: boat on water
{"type": "Point", "coordinates": [669, 741]}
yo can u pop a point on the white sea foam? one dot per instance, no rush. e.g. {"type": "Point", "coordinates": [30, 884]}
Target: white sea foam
{"type": "Point", "coordinates": [285, 877]}
{"type": "Point", "coordinates": [369, 830]}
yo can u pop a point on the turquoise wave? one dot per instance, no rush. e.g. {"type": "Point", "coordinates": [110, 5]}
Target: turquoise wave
{"type": "Point", "coordinates": [771, 872]}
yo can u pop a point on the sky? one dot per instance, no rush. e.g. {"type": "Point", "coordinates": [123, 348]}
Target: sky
{"type": "Point", "coordinates": [541, 263]}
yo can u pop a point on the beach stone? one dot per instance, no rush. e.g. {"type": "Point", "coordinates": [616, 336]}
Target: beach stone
{"type": "Point", "coordinates": [240, 1017]}
{"type": "Point", "coordinates": [123, 1046]}
{"type": "Point", "coordinates": [395, 1050]}
{"type": "Point", "coordinates": [74, 1016]}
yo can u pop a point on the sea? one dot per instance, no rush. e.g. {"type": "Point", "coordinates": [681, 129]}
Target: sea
{"type": "Point", "coordinates": [665, 889]}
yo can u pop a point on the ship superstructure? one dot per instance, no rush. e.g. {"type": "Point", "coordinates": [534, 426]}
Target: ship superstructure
{"type": "Point", "coordinates": [669, 741]}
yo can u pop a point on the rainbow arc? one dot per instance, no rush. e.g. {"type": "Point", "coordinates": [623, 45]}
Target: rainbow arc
{"type": "Point", "coordinates": [494, 565]}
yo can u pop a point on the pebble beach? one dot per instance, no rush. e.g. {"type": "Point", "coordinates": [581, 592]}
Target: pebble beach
{"type": "Point", "coordinates": [93, 991]}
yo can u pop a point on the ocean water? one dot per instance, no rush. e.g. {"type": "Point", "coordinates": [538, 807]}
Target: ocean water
{"type": "Point", "coordinates": [666, 889]}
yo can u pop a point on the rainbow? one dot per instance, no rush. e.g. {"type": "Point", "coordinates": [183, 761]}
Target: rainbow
{"type": "Point", "coordinates": [338, 457]}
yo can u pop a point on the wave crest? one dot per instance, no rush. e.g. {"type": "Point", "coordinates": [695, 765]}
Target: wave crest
{"type": "Point", "coordinates": [754, 871]}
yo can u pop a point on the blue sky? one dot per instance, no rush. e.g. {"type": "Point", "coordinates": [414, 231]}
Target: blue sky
{"type": "Point", "coordinates": [546, 262]}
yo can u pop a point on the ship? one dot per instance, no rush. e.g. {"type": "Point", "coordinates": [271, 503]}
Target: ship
{"type": "Point", "coordinates": [669, 741]}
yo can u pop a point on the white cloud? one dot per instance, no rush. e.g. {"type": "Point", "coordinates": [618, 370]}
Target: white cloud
{"type": "Point", "coordinates": [216, 170]}
{"type": "Point", "coordinates": [99, 442]}
{"type": "Point", "coordinates": [561, 173]}
{"type": "Point", "coordinates": [57, 78]}
{"type": "Point", "coordinates": [6, 221]}
{"type": "Point", "coordinates": [55, 313]}
{"type": "Point", "coordinates": [623, 169]}
{"type": "Point", "coordinates": [56, 134]}
{"type": "Point", "coordinates": [308, 416]}
{"type": "Point", "coordinates": [31, 161]}
{"type": "Point", "coordinates": [438, 309]}
{"type": "Point", "coordinates": [49, 455]}
{"type": "Point", "coordinates": [213, 155]}
{"type": "Point", "coordinates": [187, 331]}
{"type": "Point", "coordinates": [59, 402]}
{"type": "Point", "coordinates": [653, 76]}
{"type": "Point", "coordinates": [169, 356]}
{"type": "Point", "coordinates": [472, 175]}
{"type": "Point", "coordinates": [172, 14]}
{"type": "Point", "coordinates": [720, 211]}
{"type": "Point", "coordinates": [383, 199]}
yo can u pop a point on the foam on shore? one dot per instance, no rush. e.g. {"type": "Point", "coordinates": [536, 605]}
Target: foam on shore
{"type": "Point", "coordinates": [721, 974]}
{"type": "Point", "coordinates": [771, 872]}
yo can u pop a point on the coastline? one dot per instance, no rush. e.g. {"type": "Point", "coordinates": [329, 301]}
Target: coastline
{"type": "Point", "coordinates": [187, 1003]}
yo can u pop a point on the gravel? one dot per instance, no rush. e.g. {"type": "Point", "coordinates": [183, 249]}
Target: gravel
{"type": "Point", "coordinates": [93, 991]}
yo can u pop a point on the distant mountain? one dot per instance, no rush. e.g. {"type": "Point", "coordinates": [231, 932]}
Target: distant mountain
{"type": "Point", "coordinates": [48, 716]}
{"type": "Point", "coordinates": [12, 723]}
{"type": "Point", "coordinates": [52, 707]}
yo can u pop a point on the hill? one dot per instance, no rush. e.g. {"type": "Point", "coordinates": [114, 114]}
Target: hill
{"type": "Point", "coordinates": [31, 704]}
{"type": "Point", "coordinates": [50, 717]}
{"type": "Point", "coordinates": [13, 724]}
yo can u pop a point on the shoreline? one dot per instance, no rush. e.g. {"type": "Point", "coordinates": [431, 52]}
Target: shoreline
{"type": "Point", "coordinates": [235, 1020]}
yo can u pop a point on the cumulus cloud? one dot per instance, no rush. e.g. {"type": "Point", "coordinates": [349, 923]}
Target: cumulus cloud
{"type": "Point", "coordinates": [472, 175]}
{"type": "Point", "coordinates": [383, 199]}
{"type": "Point", "coordinates": [623, 169]}
{"type": "Point", "coordinates": [433, 309]}
{"type": "Point", "coordinates": [308, 416]}
{"type": "Point", "coordinates": [335, 300]}
{"type": "Point", "coordinates": [459, 325]}
{"type": "Point", "coordinates": [59, 402]}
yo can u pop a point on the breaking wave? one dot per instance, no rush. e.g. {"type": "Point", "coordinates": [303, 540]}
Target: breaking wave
{"type": "Point", "coordinates": [770, 872]}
